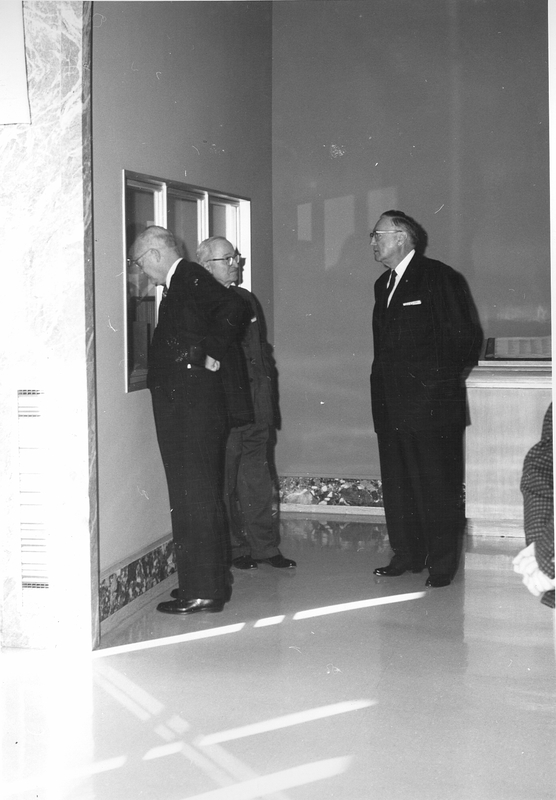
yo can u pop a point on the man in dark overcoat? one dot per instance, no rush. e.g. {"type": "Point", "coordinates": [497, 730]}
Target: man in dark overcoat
{"type": "Point", "coordinates": [249, 486]}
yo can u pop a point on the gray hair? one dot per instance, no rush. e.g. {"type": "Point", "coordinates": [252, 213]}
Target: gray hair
{"type": "Point", "coordinates": [415, 232]}
{"type": "Point", "coordinates": [158, 238]}
{"type": "Point", "coordinates": [204, 250]}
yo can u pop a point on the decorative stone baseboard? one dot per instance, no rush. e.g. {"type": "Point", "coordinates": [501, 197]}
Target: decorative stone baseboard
{"type": "Point", "coordinates": [127, 583]}
{"type": "Point", "coordinates": [133, 610]}
{"type": "Point", "coordinates": [342, 492]}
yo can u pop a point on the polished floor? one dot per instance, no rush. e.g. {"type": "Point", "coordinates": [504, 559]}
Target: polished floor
{"type": "Point", "coordinates": [313, 684]}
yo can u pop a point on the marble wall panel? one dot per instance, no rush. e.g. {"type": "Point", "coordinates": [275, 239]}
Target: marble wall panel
{"type": "Point", "coordinates": [46, 324]}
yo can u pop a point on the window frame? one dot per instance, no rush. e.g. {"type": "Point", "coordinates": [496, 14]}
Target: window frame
{"type": "Point", "coordinates": [237, 229]}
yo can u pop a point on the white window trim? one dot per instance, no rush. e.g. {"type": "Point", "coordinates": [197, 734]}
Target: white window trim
{"type": "Point", "coordinates": [204, 197]}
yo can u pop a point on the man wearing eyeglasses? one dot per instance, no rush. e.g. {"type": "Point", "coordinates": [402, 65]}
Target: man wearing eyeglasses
{"type": "Point", "coordinates": [199, 388]}
{"type": "Point", "coordinates": [249, 488]}
{"type": "Point", "coordinates": [426, 337]}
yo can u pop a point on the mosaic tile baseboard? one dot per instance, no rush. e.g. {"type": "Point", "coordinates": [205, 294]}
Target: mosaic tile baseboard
{"type": "Point", "coordinates": [331, 491]}
{"type": "Point", "coordinates": [134, 579]}
{"type": "Point", "coordinates": [129, 582]}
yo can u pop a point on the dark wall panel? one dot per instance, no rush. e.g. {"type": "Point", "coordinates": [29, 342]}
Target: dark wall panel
{"type": "Point", "coordinates": [439, 108]}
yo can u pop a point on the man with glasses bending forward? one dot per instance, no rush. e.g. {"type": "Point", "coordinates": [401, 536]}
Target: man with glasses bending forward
{"type": "Point", "coordinates": [199, 386]}
{"type": "Point", "coordinates": [425, 339]}
{"type": "Point", "coordinates": [248, 483]}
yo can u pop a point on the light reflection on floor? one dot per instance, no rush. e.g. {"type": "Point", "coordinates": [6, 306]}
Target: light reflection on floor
{"type": "Point", "coordinates": [401, 692]}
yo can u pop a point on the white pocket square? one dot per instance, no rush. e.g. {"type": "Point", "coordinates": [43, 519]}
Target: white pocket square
{"type": "Point", "coordinates": [413, 303]}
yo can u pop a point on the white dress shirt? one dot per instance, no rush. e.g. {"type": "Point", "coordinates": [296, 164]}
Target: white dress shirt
{"type": "Point", "coordinates": [171, 272]}
{"type": "Point", "coordinates": [398, 272]}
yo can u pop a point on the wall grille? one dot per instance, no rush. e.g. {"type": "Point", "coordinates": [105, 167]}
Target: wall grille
{"type": "Point", "coordinates": [34, 571]}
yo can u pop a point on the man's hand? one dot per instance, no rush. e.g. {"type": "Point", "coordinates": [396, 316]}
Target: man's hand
{"type": "Point", "coordinates": [212, 364]}
{"type": "Point", "coordinates": [525, 563]}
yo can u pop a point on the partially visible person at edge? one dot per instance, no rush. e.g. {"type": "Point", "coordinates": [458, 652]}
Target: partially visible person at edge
{"type": "Point", "coordinates": [536, 561]}
{"type": "Point", "coordinates": [199, 387]}
{"type": "Point", "coordinates": [426, 336]}
{"type": "Point", "coordinates": [248, 486]}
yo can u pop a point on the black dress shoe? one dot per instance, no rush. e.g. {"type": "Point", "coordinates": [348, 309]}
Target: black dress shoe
{"type": "Point", "coordinates": [278, 561]}
{"type": "Point", "coordinates": [395, 570]}
{"type": "Point", "coordinates": [389, 571]}
{"type": "Point", "coordinates": [244, 562]}
{"type": "Point", "coordinates": [437, 581]}
{"type": "Point", "coordinates": [190, 606]}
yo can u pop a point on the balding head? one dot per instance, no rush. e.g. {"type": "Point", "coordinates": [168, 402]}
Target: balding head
{"type": "Point", "coordinates": [154, 251]}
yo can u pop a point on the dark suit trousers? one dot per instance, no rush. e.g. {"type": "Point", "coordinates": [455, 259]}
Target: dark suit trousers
{"type": "Point", "coordinates": [422, 483]}
{"type": "Point", "coordinates": [191, 429]}
{"type": "Point", "coordinates": [249, 493]}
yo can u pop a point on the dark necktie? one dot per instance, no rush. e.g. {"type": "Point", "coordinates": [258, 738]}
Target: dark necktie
{"type": "Point", "coordinates": [164, 291]}
{"type": "Point", "coordinates": [390, 285]}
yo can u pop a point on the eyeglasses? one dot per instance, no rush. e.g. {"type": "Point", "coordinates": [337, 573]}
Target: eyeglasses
{"type": "Point", "coordinates": [379, 234]}
{"type": "Point", "coordinates": [229, 259]}
{"type": "Point", "coordinates": [135, 261]}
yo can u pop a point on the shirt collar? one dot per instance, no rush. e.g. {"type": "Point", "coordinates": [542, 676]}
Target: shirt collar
{"type": "Point", "coordinates": [402, 266]}
{"type": "Point", "coordinates": [171, 272]}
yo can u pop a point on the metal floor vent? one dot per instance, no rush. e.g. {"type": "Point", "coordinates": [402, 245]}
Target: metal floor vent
{"type": "Point", "coordinates": [34, 572]}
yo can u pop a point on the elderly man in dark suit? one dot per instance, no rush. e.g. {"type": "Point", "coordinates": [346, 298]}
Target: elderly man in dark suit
{"type": "Point", "coordinates": [425, 339]}
{"type": "Point", "coordinates": [248, 484]}
{"type": "Point", "coordinates": [199, 386]}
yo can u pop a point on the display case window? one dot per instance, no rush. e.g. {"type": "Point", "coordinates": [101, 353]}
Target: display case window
{"type": "Point", "coordinates": [192, 214]}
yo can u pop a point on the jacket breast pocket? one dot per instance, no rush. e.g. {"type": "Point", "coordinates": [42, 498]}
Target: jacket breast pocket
{"type": "Point", "coordinates": [413, 319]}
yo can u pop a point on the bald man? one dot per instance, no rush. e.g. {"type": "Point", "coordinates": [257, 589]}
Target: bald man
{"type": "Point", "coordinates": [199, 387]}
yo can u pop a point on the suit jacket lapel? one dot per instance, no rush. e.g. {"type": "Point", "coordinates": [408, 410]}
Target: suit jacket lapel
{"type": "Point", "coordinates": [382, 299]}
{"type": "Point", "coordinates": [406, 288]}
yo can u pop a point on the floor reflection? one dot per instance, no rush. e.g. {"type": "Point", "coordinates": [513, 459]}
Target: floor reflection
{"type": "Point", "coordinates": [320, 682]}
{"type": "Point", "coordinates": [342, 534]}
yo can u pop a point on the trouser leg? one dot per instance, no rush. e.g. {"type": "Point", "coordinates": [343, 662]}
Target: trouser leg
{"type": "Point", "coordinates": [422, 480]}
{"type": "Point", "coordinates": [439, 472]}
{"type": "Point", "coordinates": [191, 431]}
{"type": "Point", "coordinates": [247, 454]}
{"type": "Point", "coordinates": [400, 506]}
{"type": "Point", "coordinates": [238, 538]}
